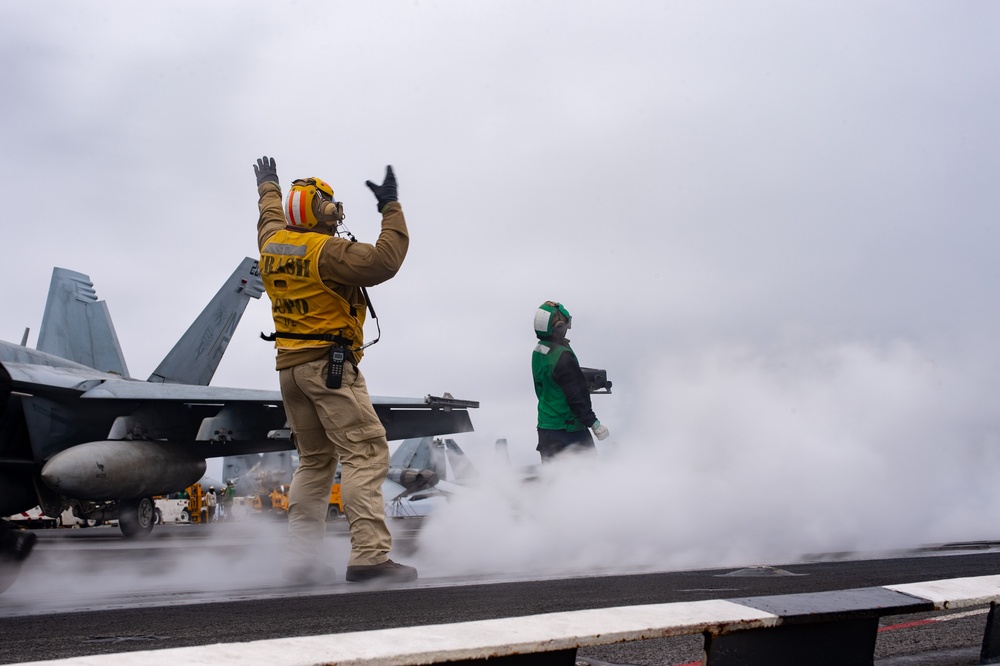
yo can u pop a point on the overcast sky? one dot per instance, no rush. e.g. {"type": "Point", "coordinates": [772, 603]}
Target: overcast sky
{"type": "Point", "coordinates": [774, 223]}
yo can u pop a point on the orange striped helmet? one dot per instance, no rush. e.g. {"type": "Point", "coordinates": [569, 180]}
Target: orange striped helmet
{"type": "Point", "coordinates": [301, 203]}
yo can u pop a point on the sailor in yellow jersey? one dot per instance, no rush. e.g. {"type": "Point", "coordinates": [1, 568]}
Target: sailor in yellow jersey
{"type": "Point", "coordinates": [315, 280]}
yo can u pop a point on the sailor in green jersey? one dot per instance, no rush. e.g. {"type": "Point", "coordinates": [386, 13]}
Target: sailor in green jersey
{"type": "Point", "coordinates": [565, 415]}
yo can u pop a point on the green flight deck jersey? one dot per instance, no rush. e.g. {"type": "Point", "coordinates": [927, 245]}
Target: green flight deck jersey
{"type": "Point", "coordinates": [554, 411]}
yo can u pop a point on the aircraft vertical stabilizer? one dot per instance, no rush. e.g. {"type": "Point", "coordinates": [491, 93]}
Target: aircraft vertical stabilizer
{"type": "Point", "coordinates": [77, 326]}
{"type": "Point", "coordinates": [501, 457]}
{"type": "Point", "coordinates": [196, 356]}
{"type": "Point", "coordinates": [460, 464]}
{"type": "Point", "coordinates": [235, 467]}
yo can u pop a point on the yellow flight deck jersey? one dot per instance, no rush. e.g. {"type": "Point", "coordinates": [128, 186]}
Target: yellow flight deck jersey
{"type": "Point", "coordinates": [300, 302]}
{"type": "Point", "coordinates": [337, 268]}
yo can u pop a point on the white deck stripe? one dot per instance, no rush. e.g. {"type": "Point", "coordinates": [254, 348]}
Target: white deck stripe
{"type": "Point", "coordinates": [463, 640]}
{"type": "Point", "coordinates": [959, 616]}
{"type": "Point", "coordinates": [518, 635]}
{"type": "Point", "coordinates": [954, 592]}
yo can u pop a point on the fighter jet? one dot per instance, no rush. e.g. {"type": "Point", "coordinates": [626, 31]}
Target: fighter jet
{"type": "Point", "coordinates": [77, 431]}
{"type": "Point", "coordinates": [421, 468]}
{"type": "Point", "coordinates": [424, 473]}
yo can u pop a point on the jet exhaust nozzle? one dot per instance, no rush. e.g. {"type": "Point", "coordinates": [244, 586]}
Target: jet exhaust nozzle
{"type": "Point", "coordinates": [413, 479]}
{"type": "Point", "coordinates": [122, 469]}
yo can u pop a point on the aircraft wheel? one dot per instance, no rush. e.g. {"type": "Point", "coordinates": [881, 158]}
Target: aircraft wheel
{"type": "Point", "coordinates": [135, 517]}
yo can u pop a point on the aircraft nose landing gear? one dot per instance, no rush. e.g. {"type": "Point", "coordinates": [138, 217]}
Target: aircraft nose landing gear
{"type": "Point", "coordinates": [136, 516]}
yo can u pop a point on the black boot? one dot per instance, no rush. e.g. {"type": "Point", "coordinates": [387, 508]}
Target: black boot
{"type": "Point", "coordinates": [387, 570]}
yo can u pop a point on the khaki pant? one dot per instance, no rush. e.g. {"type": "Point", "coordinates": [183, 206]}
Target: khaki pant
{"type": "Point", "coordinates": [331, 425]}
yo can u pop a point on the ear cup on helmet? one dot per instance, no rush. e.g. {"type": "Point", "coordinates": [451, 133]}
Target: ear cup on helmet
{"type": "Point", "coordinates": [329, 211]}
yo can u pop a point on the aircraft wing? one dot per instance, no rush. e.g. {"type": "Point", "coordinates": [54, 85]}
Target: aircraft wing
{"type": "Point", "coordinates": [402, 417]}
{"type": "Point", "coordinates": [122, 389]}
{"type": "Point", "coordinates": [67, 409]}
{"type": "Point", "coordinates": [406, 418]}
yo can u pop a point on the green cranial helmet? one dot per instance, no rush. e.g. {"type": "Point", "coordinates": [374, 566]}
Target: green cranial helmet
{"type": "Point", "coordinates": [548, 315]}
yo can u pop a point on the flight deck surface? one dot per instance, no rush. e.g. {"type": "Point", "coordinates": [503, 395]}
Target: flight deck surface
{"type": "Point", "coordinates": [90, 591]}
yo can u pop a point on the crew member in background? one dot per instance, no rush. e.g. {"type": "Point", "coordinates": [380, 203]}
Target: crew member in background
{"type": "Point", "coordinates": [211, 501]}
{"type": "Point", "coordinates": [228, 495]}
{"type": "Point", "coordinates": [564, 409]}
{"type": "Point", "coordinates": [315, 280]}
{"type": "Point", "coordinates": [15, 546]}
{"type": "Point", "coordinates": [264, 486]}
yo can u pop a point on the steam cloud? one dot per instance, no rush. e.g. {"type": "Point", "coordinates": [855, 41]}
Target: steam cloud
{"type": "Point", "coordinates": [728, 456]}
{"type": "Point", "coordinates": [743, 456]}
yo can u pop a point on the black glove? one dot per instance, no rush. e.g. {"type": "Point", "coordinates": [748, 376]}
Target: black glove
{"type": "Point", "coordinates": [265, 170]}
{"type": "Point", "coordinates": [386, 192]}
